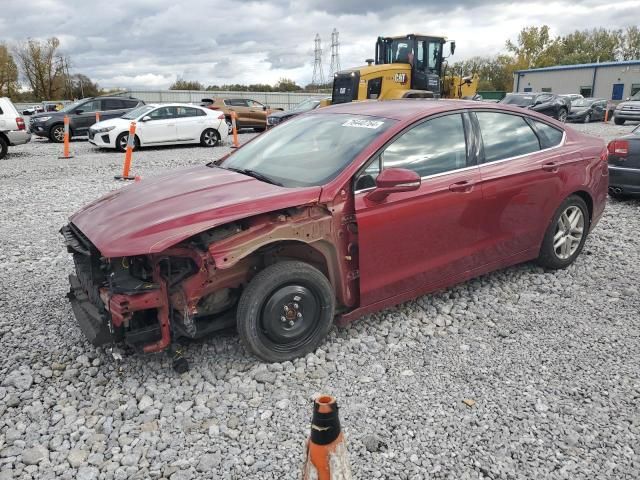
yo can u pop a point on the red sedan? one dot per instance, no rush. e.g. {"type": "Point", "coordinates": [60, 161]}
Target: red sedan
{"type": "Point", "coordinates": [332, 215]}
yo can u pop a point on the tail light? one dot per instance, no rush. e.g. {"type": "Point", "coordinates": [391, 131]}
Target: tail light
{"type": "Point", "coordinates": [221, 116]}
{"type": "Point", "coordinates": [20, 123]}
{"type": "Point", "coordinates": [618, 148]}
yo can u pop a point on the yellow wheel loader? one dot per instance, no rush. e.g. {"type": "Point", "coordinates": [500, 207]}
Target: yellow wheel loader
{"type": "Point", "coordinates": [410, 66]}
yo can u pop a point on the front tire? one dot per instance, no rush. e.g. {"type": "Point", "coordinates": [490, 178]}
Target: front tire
{"type": "Point", "coordinates": [123, 138]}
{"type": "Point", "coordinates": [562, 115]}
{"type": "Point", "coordinates": [56, 134]}
{"type": "Point", "coordinates": [587, 118]}
{"type": "Point", "coordinates": [566, 234]}
{"type": "Point", "coordinates": [618, 121]}
{"type": "Point", "coordinates": [209, 138]}
{"type": "Point", "coordinates": [286, 311]}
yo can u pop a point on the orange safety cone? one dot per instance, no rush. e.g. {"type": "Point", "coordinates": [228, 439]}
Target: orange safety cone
{"type": "Point", "coordinates": [606, 115]}
{"type": "Point", "coordinates": [131, 141]}
{"type": "Point", "coordinates": [326, 448]}
{"type": "Point", "coordinates": [267, 112]}
{"type": "Point", "coordinates": [97, 117]}
{"type": "Point", "coordinates": [66, 153]}
{"type": "Point", "coordinates": [236, 144]}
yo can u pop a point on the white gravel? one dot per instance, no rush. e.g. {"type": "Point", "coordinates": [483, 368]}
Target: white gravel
{"type": "Point", "coordinates": [520, 374]}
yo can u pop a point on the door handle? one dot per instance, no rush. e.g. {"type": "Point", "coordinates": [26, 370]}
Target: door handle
{"type": "Point", "coordinates": [550, 167]}
{"type": "Point", "coordinates": [464, 186]}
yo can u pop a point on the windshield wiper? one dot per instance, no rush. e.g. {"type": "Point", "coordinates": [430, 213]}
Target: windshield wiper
{"type": "Point", "coordinates": [256, 175]}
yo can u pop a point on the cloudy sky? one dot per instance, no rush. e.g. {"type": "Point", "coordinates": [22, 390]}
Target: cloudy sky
{"type": "Point", "coordinates": [149, 43]}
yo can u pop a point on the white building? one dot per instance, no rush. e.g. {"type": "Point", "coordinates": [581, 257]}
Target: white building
{"type": "Point", "coordinates": [610, 80]}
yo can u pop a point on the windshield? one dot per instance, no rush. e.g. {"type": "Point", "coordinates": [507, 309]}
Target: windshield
{"type": "Point", "coordinates": [137, 112]}
{"type": "Point", "coordinates": [520, 100]}
{"type": "Point", "coordinates": [635, 96]}
{"type": "Point", "coordinates": [306, 106]}
{"type": "Point", "coordinates": [71, 106]}
{"type": "Point", "coordinates": [308, 150]}
{"type": "Point", "coordinates": [581, 102]}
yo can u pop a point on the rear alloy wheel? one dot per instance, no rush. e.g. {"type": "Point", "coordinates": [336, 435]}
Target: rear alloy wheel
{"type": "Point", "coordinates": [562, 115]}
{"type": "Point", "coordinates": [209, 138]}
{"type": "Point", "coordinates": [566, 234]}
{"type": "Point", "coordinates": [123, 138]}
{"type": "Point", "coordinates": [3, 148]}
{"type": "Point", "coordinates": [286, 311]}
{"type": "Point", "coordinates": [587, 118]}
{"type": "Point", "coordinates": [56, 134]}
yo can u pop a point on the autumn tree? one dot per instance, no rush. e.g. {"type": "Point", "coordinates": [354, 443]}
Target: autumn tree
{"type": "Point", "coordinates": [531, 46]}
{"type": "Point", "coordinates": [8, 72]}
{"type": "Point", "coordinates": [629, 48]}
{"type": "Point", "coordinates": [44, 68]}
{"type": "Point", "coordinates": [286, 85]}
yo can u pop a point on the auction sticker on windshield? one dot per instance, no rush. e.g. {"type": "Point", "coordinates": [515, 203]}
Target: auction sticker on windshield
{"type": "Point", "coordinates": [354, 122]}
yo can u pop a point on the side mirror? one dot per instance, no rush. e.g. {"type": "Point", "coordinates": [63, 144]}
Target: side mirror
{"type": "Point", "coordinates": [392, 180]}
{"type": "Point", "coordinates": [78, 111]}
{"type": "Point", "coordinates": [627, 99]}
{"type": "Point", "coordinates": [146, 118]}
{"type": "Point", "coordinates": [453, 47]}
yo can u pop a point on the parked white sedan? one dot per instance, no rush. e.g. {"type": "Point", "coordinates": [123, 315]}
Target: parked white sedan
{"type": "Point", "coordinates": [162, 124]}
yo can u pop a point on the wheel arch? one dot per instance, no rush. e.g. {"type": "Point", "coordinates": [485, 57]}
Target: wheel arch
{"type": "Point", "coordinates": [587, 199]}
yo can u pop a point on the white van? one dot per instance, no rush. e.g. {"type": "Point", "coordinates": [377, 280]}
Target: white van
{"type": "Point", "coordinates": [13, 130]}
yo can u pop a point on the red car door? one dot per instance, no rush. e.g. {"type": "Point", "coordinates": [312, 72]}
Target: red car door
{"type": "Point", "coordinates": [521, 182]}
{"type": "Point", "coordinates": [414, 239]}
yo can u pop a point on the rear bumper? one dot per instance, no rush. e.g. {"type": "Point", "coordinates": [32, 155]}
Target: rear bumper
{"type": "Point", "coordinates": [626, 179]}
{"type": "Point", "coordinates": [18, 137]}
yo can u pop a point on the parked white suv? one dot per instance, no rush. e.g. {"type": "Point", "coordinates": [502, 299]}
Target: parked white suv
{"type": "Point", "coordinates": [162, 124]}
{"type": "Point", "coordinates": [13, 130]}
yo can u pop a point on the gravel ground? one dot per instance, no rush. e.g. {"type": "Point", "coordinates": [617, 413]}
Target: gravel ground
{"type": "Point", "coordinates": [520, 374]}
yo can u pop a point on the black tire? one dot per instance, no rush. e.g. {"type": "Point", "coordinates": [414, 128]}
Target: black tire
{"type": "Point", "coordinates": [56, 133]}
{"type": "Point", "coordinates": [618, 121]}
{"type": "Point", "coordinates": [4, 147]}
{"type": "Point", "coordinates": [121, 142]}
{"type": "Point", "coordinates": [548, 257]}
{"type": "Point", "coordinates": [209, 138]}
{"type": "Point", "coordinates": [618, 196]}
{"type": "Point", "coordinates": [562, 115]}
{"type": "Point", "coordinates": [286, 311]}
{"type": "Point", "coordinates": [229, 125]}
{"type": "Point", "coordinates": [587, 118]}
{"type": "Point", "coordinates": [260, 129]}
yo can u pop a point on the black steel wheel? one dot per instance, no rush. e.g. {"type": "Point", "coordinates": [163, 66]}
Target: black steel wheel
{"type": "Point", "coordinates": [286, 311]}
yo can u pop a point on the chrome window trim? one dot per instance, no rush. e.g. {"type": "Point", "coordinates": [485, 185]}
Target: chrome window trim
{"type": "Point", "coordinates": [479, 165]}
{"type": "Point", "coordinates": [626, 169]}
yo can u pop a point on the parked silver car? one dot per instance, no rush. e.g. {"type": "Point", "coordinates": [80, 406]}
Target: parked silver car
{"type": "Point", "coordinates": [627, 110]}
{"type": "Point", "coordinates": [13, 130]}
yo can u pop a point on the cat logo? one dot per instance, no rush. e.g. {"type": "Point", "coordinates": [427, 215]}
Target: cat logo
{"type": "Point", "coordinates": [400, 78]}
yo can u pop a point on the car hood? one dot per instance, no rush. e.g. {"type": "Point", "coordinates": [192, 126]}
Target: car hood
{"type": "Point", "coordinates": [628, 103]}
{"type": "Point", "coordinates": [112, 122]}
{"type": "Point", "coordinates": [151, 215]}
{"type": "Point", "coordinates": [47, 114]}
{"type": "Point", "coordinates": [282, 114]}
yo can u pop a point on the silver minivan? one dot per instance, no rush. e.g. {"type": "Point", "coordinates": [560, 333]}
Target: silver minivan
{"type": "Point", "coordinates": [13, 130]}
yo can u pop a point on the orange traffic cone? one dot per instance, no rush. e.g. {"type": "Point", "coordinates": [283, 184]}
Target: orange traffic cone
{"type": "Point", "coordinates": [326, 448]}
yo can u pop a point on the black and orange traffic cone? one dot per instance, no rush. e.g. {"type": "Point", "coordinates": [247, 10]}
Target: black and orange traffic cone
{"type": "Point", "coordinates": [326, 448]}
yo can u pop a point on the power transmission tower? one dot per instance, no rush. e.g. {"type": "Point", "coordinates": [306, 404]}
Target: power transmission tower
{"type": "Point", "coordinates": [335, 53]}
{"type": "Point", "coordinates": [318, 75]}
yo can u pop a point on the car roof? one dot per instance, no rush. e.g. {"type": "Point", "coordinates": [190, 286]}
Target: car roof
{"type": "Point", "coordinates": [175, 104]}
{"type": "Point", "coordinates": [405, 109]}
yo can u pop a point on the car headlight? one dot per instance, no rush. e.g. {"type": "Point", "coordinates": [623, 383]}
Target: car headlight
{"type": "Point", "coordinates": [103, 129]}
{"type": "Point", "coordinates": [41, 119]}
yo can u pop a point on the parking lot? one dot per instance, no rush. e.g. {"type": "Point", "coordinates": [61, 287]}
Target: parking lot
{"type": "Point", "coordinates": [519, 374]}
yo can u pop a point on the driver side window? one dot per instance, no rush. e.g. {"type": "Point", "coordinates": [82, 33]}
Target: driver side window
{"type": "Point", "coordinates": [430, 148]}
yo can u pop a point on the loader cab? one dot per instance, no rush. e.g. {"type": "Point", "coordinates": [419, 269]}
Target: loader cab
{"type": "Point", "coordinates": [423, 53]}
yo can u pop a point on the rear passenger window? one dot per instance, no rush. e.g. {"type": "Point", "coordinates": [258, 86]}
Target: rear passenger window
{"type": "Point", "coordinates": [549, 136]}
{"type": "Point", "coordinates": [130, 103]}
{"type": "Point", "coordinates": [112, 104]}
{"type": "Point", "coordinates": [434, 146]}
{"type": "Point", "coordinates": [505, 136]}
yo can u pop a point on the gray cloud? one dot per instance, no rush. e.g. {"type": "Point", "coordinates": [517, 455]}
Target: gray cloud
{"type": "Point", "coordinates": [148, 43]}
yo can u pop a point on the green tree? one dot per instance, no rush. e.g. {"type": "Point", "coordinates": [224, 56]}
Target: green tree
{"type": "Point", "coordinates": [181, 84]}
{"type": "Point", "coordinates": [629, 48]}
{"type": "Point", "coordinates": [286, 85]}
{"type": "Point", "coordinates": [532, 43]}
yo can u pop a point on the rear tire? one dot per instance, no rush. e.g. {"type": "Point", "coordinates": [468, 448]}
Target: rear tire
{"type": "Point", "coordinates": [4, 147]}
{"type": "Point", "coordinates": [618, 121]}
{"type": "Point", "coordinates": [566, 234]}
{"type": "Point", "coordinates": [286, 311]}
{"type": "Point", "coordinates": [56, 133]}
{"type": "Point", "coordinates": [209, 138]}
